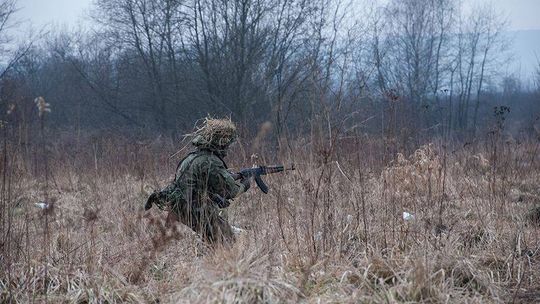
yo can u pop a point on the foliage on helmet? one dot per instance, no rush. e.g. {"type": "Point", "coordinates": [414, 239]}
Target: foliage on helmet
{"type": "Point", "coordinates": [215, 133]}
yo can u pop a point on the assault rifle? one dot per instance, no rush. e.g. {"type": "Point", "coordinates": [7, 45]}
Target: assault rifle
{"type": "Point", "coordinates": [257, 172]}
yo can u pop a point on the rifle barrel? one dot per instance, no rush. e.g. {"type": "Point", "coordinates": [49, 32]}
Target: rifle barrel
{"type": "Point", "coordinates": [262, 170]}
{"type": "Point", "coordinates": [276, 169]}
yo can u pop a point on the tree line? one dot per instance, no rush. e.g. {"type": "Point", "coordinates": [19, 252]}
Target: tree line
{"type": "Point", "coordinates": [156, 66]}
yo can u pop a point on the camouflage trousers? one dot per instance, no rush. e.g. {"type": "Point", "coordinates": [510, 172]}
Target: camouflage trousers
{"type": "Point", "coordinates": [206, 221]}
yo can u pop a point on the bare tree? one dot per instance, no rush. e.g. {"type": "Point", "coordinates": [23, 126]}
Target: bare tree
{"type": "Point", "coordinates": [285, 72]}
{"type": "Point", "coordinates": [151, 28]}
{"type": "Point", "coordinates": [229, 38]}
{"type": "Point", "coordinates": [410, 54]}
{"type": "Point", "coordinates": [493, 44]}
{"type": "Point", "coordinates": [480, 43]}
{"type": "Point", "coordinates": [161, 64]}
{"type": "Point", "coordinates": [10, 53]}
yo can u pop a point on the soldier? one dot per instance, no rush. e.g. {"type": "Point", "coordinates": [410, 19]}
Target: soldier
{"type": "Point", "coordinates": [203, 185]}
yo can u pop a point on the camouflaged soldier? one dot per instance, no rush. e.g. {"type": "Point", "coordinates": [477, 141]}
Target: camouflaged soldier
{"type": "Point", "coordinates": [203, 185]}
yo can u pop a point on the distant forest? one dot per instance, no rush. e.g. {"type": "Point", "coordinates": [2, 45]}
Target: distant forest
{"type": "Point", "coordinates": [407, 68]}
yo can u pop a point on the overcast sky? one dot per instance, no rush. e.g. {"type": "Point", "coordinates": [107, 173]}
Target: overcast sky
{"type": "Point", "coordinates": [523, 14]}
{"type": "Point", "coordinates": [58, 12]}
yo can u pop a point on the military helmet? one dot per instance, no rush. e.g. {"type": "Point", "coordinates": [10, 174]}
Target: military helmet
{"type": "Point", "coordinates": [214, 133]}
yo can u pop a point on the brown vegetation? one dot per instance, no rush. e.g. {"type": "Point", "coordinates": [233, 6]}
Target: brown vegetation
{"type": "Point", "coordinates": [332, 231]}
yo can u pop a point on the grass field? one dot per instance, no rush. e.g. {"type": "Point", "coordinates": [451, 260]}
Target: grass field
{"type": "Point", "coordinates": [333, 231]}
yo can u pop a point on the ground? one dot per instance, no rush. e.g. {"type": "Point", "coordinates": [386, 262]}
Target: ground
{"type": "Point", "coordinates": [333, 231]}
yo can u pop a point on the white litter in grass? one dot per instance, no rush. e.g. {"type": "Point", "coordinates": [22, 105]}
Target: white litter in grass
{"type": "Point", "coordinates": [237, 230]}
{"type": "Point", "coordinates": [407, 216]}
{"type": "Point", "coordinates": [42, 205]}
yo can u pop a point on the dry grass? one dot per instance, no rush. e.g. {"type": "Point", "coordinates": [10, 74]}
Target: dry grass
{"type": "Point", "coordinates": [330, 232]}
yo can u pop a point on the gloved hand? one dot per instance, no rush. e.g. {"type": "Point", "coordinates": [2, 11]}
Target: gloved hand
{"type": "Point", "coordinates": [246, 181]}
{"type": "Point", "coordinates": [220, 201]}
{"type": "Point", "coordinates": [151, 199]}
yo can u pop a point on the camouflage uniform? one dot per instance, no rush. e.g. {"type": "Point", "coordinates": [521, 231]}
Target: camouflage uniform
{"type": "Point", "coordinates": [201, 177]}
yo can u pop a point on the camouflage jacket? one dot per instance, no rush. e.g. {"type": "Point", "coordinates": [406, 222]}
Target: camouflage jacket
{"type": "Point", "coordinates": [199, 176]}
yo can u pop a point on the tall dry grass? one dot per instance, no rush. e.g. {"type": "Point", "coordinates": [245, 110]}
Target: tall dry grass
{"type": "Point", "coordinates": [331, 231]}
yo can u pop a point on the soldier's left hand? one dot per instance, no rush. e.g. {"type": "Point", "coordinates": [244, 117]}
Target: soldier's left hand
{"type": "Point", "coordinates": [153, 197]}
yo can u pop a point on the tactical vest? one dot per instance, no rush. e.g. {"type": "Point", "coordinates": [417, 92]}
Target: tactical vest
{"type": "Point", "coordinates": [174, 196]}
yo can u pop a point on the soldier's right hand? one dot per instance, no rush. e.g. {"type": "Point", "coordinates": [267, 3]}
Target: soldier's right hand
{"type": "Point", "coordinates": [246, 181]}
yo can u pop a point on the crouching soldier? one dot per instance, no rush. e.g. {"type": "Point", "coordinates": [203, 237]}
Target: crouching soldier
{"type": "Point", "coordinates": [203, 185]}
